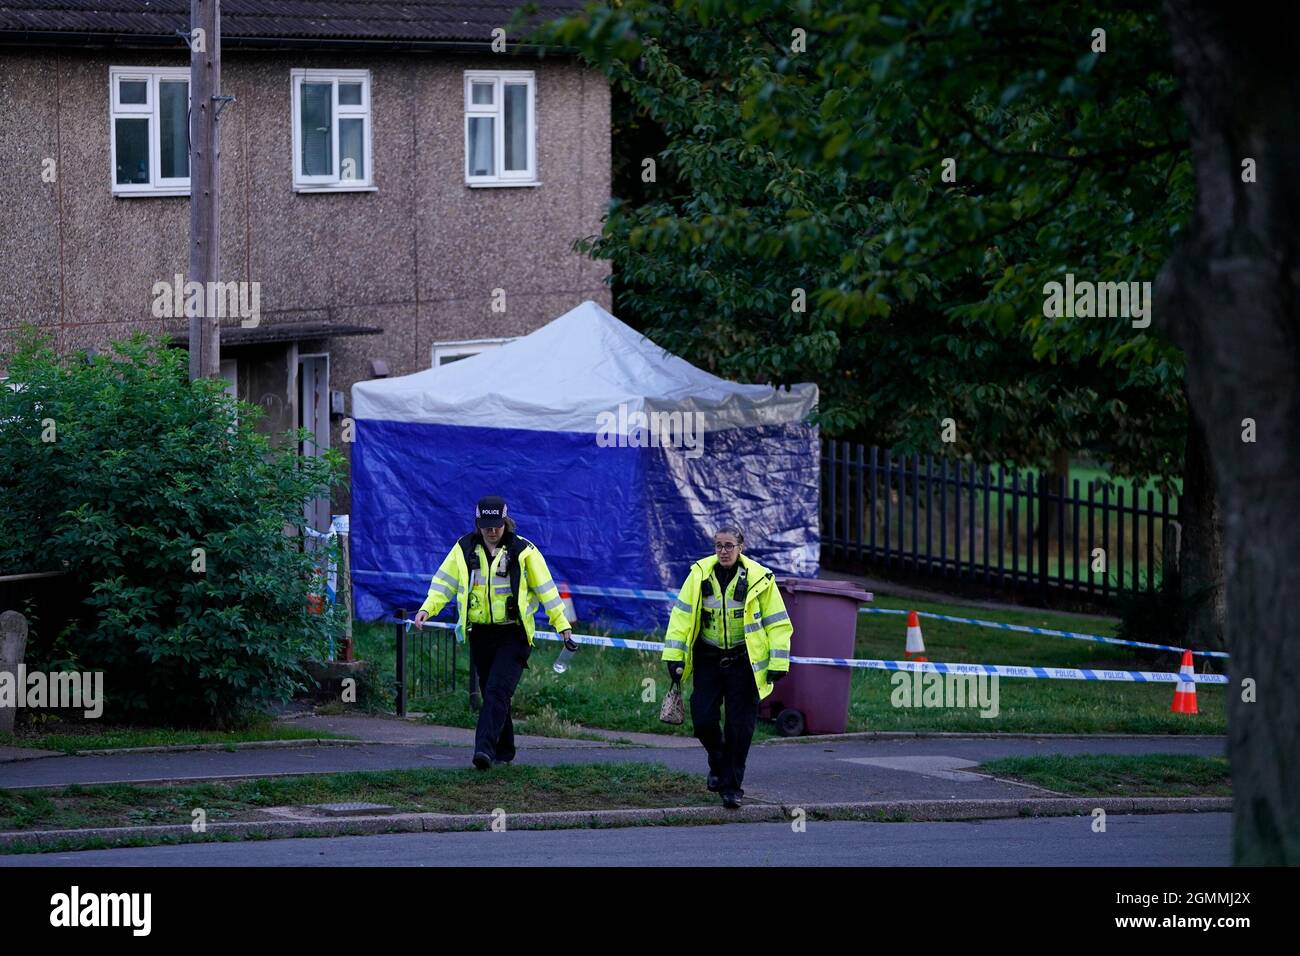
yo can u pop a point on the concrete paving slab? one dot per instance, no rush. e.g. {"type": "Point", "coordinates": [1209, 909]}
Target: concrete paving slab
{"type": "Point", "coordinates": [938, 766]}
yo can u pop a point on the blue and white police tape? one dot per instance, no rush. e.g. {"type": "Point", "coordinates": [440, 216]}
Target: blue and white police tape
{"type": "Point", "coordinates": [1006, 670]}
{"type": "Point", "coordinates": [1001, 670]}
{"type": "Point", "coordinates": [603, 641]}
{"type": "Point", "coordinates": [636, 593]}
{"type": "Point", "coordinates": [1026, 629]}
{"type": "Point", "coordinates": [578, 638]}
{"type": "Point", "coordinates": [647, 595]}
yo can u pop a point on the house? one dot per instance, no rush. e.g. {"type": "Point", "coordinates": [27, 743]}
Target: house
{"type": "Point", "coordinates": [395, 193]}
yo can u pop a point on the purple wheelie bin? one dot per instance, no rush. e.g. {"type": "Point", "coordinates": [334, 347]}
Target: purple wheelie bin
{"type": "Point", "coordinates": [814, 698]}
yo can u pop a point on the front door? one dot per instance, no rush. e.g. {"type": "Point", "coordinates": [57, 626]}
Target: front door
{"type": "Point", "coordinates": [314, 415]}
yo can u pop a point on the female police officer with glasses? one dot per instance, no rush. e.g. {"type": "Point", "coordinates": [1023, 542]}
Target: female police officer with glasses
{"type": "Point", "coordinates": [498, 580]}
{"type": "Point", "coordinates": [730, 630]}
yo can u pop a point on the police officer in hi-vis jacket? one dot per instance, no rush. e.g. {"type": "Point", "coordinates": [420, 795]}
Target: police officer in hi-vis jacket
{"type": "Point", "coordinates": [498, 579]}
{"type": "Point", "coordinates": [729, 630]}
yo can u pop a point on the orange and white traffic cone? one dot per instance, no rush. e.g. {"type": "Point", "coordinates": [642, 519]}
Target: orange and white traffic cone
{"type": "Point", "coordinates": [915, 644]}
{"type": "Point", "coordinates": [1185, 694]}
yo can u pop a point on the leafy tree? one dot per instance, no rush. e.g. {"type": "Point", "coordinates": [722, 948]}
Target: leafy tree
{"type": "Point", "coordinates": [117, 469]}
{"type": "Point", "coordinates": [895, 170]}
{"type": "Point", "coordinates": [1165, 152]}
{"type": "Point", "coordinates": [821, 171]}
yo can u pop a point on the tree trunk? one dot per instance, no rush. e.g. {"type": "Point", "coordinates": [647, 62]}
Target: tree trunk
{"type": "Point", "coordinates": [1231, 297]}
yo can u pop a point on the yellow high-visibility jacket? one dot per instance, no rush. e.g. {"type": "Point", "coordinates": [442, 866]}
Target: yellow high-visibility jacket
{"type": "Point", "coordinates": [487, 590]}
{"type": "Point", "coordinates": [767, 625]}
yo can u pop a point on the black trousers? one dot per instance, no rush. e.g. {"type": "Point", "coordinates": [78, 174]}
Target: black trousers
{"type": "Point", "coordinates": [724, 677]}
{"type": "Point", "coordinates": [499, 654]}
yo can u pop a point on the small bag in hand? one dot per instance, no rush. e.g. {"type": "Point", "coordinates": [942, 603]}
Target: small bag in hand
{"type": "Point", "coordinates": [673, 711]}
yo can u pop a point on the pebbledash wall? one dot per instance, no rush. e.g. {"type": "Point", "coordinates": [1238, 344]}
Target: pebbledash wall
{"type": "Point", "coordinates": [418, 257]}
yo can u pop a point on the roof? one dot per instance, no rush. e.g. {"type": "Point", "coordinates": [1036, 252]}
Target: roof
{"type": "Point", "coordinates": [285, 332]}
{"type": "Point", "coordinates": [583, 372]}
{"type": "Point", "coordinates": [400, 22]}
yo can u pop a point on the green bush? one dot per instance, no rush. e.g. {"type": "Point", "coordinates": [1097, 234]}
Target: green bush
{"type": "Point", "coordinates": [116, 469]}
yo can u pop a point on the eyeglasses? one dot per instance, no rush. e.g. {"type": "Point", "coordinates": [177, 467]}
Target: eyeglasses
{"type": "Point", "coordinates": [725, 547]}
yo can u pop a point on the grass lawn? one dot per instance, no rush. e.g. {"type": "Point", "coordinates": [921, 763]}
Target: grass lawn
{"type": "Point", "coordinates": [607, 687]}
{"type": "Point", "coordinates": [1087, 473]}
{"type": "Point", "coordinates": [70, 737]}
{"type": "Point", "coordinates": [1025, 705]}
{"type": "Point", "coordinates": [1148, 775]}
{"type": "Point", "coordinates": [516, 789]}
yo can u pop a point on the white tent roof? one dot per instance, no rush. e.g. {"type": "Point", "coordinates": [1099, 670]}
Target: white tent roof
{"type": "Point", "coordinates": [565, 375]}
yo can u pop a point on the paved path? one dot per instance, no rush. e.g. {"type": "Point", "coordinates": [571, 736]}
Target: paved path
{"type": "Point", "coordinates": [1164, 840]}
{"type": "Point", "coordinates": [395, 731]}
{"type": "Point", "coordinates": [788, 773]}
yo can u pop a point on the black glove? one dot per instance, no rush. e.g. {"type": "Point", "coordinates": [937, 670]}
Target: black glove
{"type": "Point", "coordinates": [675, 669]}
{"type": "Point", "coordinates": [774, 676]}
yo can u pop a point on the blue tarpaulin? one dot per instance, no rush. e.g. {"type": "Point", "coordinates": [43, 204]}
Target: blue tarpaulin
{"type": "Point", "coordinates": [617, 459]}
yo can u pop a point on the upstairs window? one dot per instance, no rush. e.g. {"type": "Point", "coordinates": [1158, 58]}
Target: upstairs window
{"type": "Point", "coordinates": [150, 130]}
{"type": "Point", "coordinates": [500, 128]}
{"type": "Point", "coordinates": [331, 130]}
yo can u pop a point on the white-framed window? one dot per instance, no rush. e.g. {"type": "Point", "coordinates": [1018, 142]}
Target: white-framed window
{"type": "Point", "coordinates": [149, 130]}
{"type": "Point", "coordinates": [500, 128]}
{"type": "Point", "coordinates": [331, 130]}
{"type": "Point", "coordinates": [444, 353]}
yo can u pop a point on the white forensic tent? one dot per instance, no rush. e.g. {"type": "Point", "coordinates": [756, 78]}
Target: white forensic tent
{"type": "Point", "coordinates": [616, 458]}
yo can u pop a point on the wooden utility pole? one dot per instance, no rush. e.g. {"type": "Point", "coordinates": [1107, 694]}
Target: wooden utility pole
{"type": "Point", "coordinates": [205, 181]}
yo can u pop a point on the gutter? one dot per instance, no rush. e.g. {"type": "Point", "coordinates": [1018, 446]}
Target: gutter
{"type": "Point", "coordinates": [153, 41]}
